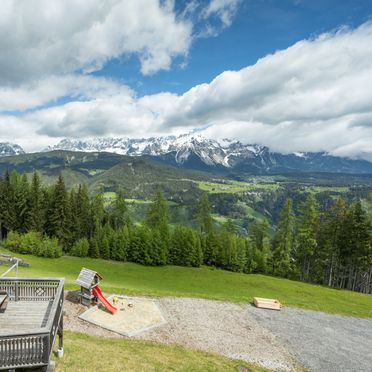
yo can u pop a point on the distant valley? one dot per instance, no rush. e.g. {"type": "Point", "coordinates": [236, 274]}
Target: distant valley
{"type": "Point", "coordinates": [242, 197]}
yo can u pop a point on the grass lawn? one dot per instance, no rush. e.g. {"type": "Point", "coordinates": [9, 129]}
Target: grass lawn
{"type": "Point", "coordinates": [201, 282]}
{"type": "Point", "coordinates": [87, 353]}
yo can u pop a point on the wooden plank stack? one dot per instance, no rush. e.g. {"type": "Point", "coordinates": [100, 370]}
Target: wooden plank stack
{"type": "Point", "coordinates": [267, 303]}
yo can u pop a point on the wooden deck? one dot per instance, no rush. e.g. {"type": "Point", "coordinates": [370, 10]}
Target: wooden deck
{"type": "Point", "coordinates": [24, 316]}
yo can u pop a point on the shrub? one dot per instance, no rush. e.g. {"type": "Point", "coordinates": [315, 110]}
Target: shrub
{"type": "Point", "coordinates": [80, 248]}
{"type": "Point", "coordinates": [33, 243]}
{"type": "Point", "coordinates": [12, 241]}
{"type": "Point", "coordinates": [51, 248]}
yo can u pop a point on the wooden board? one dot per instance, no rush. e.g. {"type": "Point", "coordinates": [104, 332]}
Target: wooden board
{"type": "Point", "coordinates": [267, 303]}
{"type": "Point", "coordinates": [24, 316]}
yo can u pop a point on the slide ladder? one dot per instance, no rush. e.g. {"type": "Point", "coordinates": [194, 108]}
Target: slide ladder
{"type": "Point", "coordinates": [98, 293]}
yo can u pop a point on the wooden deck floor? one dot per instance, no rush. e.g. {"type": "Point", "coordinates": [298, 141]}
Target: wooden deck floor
{"type": "Point", "coordinates": [23, 316]}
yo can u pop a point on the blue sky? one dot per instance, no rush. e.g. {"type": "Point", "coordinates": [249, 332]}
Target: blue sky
{"type": "Point", "coordinates": [259, 27]}
{"type": "Point", "coordinates": [294, 75]}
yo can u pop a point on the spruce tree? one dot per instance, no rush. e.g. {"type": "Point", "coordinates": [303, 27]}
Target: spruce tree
{"type": "Point", "coordinates": [21, 194]}
{"type": "Point", "coordinates": [93, 247]}
{"type": "Point", "coordinates": [283, 242]}
{"type": "Point", "coordinates": [204, 215]}
{"type": "Point", "coordinates": [58, 219]}
{"type": "Point", "coordinates": [35, 215]}
{"type": "Point", "coordinates": [158, 219]}
{"type": "Point", "coordinates": [259, 234]}
{"type": "Point", "coordinates": [307, 235]}
{"type": "Point", "coordinates": [83, 213]}
{"type": "Point", "coordinates": [8, 205]}
{"type": "Point", "coordinates": [119, 212]}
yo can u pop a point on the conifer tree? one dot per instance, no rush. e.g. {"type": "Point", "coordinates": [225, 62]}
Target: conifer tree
{"type": "Point", "coordinates": [158, 219]}
{"type": "Point", "coordinates": [283, 242]}
{"type": "Point", "coordinates": [58, 219]}
{"type": "Point", "coordinates": [204, 215]}
{"type": "Point", "coordinates": [105, 247]}
{"type": "Point", "coordinates": [119, 212]}
{"type": "Point", "coordinates": [307, 235]}
{"type": "Point", "coordinates": [83, 213]}
{"type": "Point", "coordinates": [332, 241]}
{"type": "Point", "coordinates": [93, 247]}
{"type": "Point", "coordinates": [35, 215]}
{"type": "Point", "coordinates": [359, 258]}
{"type": "Point", "coordinates": [8, 205]}
{"type": "Point", "coordinates": [98, 212]}
{"type": "Point", "coordinates": [185, 248]}
{"type": "Point", "coordinates": [122, 243]}
{"type": "Point", "coordinates": [21, 194]}
{"type": "Point", "coordinates": [212, 246]}
{"type": "Point", "coordinates": [259, 234]}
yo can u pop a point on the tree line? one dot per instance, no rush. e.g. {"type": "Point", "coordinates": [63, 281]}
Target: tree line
{"type": "Point", "coordinates": [331, 247]}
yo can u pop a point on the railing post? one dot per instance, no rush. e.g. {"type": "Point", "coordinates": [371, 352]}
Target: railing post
{"type": "Point", "coordinates": [60, 338]}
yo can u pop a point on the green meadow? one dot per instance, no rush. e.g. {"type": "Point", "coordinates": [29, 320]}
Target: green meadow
{"type": "Point", "coordinates": [204, 282]}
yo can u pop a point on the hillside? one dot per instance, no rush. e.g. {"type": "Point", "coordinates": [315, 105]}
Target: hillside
{"type": "Point", "coordinates": [138, 175]}
{"type": "Point", "coordinates": [201, 282]}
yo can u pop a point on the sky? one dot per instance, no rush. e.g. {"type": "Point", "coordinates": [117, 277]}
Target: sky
{"type": "Point", "coordinates": [294, 75]}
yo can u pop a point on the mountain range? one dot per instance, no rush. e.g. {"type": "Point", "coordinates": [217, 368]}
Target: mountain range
{"type": "Point", "coordinates": [193, 151]}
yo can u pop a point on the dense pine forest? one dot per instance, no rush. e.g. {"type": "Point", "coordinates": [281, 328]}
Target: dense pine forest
{"type": "Point", "coordinates": [330, 246]}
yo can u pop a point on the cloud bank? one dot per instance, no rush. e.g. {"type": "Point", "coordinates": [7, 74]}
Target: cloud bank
{"type": "Point", "coordinates": [313, 96]}
{"type": "Point", "coordinates": [43, 37]}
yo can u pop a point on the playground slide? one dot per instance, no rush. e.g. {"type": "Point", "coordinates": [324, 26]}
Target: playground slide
{"type": "Point", "coordinates": [98, 293]}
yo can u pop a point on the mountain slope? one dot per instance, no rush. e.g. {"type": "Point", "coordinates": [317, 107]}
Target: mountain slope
{"type": "Point", "coordinates": [139, 176]}
{"type": "Point", "coordinates": [223, 157]}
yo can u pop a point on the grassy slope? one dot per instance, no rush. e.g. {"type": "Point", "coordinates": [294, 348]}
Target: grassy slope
{"type": "Point", "coordinates": [235, 187]}
{"type": "Point", "coordinates": [203, 282]}
{"type": "Point", "coordinates": [84, 353]}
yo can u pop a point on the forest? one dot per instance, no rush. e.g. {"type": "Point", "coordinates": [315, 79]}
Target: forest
{"type": "Point", "coordinates": [330, 246]}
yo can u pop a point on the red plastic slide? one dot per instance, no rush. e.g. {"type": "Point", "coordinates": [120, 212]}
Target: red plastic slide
{"type": "Point", "coordinates": [98, 293]}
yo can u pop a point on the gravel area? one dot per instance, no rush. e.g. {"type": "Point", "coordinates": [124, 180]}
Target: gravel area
{"type": "Point", "coordinates": [219, 327]}
{"type": "Point", "coordinates": [321, 342]}
{"type": "Point", "coordinates": [213, 326]}
{"type": "Point", "coordinates": [273, 339]}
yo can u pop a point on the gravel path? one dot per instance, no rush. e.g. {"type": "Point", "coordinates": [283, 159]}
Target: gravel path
{"type": "Point", "coordinates": [321, 342]}
{"type": "Point", "coordinates": [213, 326]}
{"type": "Point", "coordinates": [273, 339]}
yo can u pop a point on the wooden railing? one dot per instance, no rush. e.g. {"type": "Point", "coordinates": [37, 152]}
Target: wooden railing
{"type": "Point", "coordinates": [20, 350]}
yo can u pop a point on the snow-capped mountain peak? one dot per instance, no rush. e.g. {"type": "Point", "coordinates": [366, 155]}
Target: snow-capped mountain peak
{"type": "Point", "coordinates": [183, 147]}
{"type": "Point", "coordinates": [9, 149]}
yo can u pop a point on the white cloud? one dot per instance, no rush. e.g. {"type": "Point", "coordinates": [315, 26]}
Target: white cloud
{"type": "Point", "coordinates": [223, 9]}
{"type": "Point", "coordinates": [39, 92]}
{"type": "Point", "coordinates": [42, 37]}
{"type": "Point", "coordinates": [314, 96]}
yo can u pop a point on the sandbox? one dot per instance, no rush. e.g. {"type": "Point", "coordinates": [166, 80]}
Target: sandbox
{"type": "Point", "coordinates": [134, 316]}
